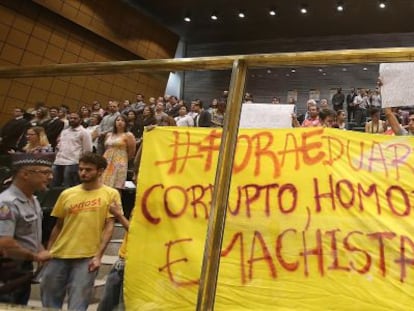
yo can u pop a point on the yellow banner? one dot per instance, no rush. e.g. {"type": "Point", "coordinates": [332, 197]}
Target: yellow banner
{"type": "Point", "coordinates": [318, 219]}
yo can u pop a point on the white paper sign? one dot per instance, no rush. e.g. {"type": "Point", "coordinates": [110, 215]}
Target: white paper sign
{"type": "Point", "coordinates": [266, 116]}
{"type": "Point", "coordinates": [398, 84]}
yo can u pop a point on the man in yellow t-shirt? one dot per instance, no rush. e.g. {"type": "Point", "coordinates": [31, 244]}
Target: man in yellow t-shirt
{"type": "Point", "coordinates": [77, 243]}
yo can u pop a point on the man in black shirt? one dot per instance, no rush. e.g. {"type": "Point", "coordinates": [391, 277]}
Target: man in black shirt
{"type": "Point", "coordinates": [53, 127]}
{"type": "Point", "coordinates": [350, 104]}
{"type": "Point", "coordinates": [13, 132]}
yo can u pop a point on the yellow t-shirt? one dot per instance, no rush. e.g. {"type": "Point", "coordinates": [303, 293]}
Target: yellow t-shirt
{"type": "Point", "coordinates": [84, 214]}
{"type": "Point", "coordinates": [123, 250]}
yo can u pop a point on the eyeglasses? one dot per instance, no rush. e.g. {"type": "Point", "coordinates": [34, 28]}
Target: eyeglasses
{"type": "Point", "coordinates": [43, 172]}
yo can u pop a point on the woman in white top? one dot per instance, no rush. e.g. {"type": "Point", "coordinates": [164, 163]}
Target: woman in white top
{"type": "Point", "coordinates": [183, 119]}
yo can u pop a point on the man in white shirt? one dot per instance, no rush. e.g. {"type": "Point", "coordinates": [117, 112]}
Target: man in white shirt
{"type": "Point", "coordinates": [73, 143]}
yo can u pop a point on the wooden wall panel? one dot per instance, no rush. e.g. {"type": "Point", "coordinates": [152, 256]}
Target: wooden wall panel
{"type": "Point", "coordinates": [119, 23]}
{"type": "Point", "coordinates": [33, 34]}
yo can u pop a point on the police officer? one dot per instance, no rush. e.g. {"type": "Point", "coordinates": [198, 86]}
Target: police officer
{"type": "Point", "coordinates": [21, 226]}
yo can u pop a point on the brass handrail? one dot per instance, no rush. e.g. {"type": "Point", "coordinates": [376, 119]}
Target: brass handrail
{"type": "Point", "coordinates": [316, 58]}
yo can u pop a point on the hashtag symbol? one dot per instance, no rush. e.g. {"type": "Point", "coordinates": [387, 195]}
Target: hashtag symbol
{"type": "Point", "coordinates": [182, 152]}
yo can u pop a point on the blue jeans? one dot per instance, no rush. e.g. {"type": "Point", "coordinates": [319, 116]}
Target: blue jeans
{"type": "Point", "coordinates": [113, 298]}
{"type": "Point", "coordinates": [65, 175]}
{"type": "Point", "coordinates": [71, 275]}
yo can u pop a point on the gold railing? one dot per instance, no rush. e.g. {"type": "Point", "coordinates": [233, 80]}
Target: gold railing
{"type": "Point", "coordinates": [239, 65]}
{"type": "Point", "coordinates": [215, 63]}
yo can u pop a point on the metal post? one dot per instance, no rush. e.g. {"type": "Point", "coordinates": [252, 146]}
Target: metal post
{"type": "Point", "coordinates": [217, 218]}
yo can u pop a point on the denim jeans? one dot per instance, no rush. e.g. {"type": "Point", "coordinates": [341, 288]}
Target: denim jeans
{"type": "Point", "coordinates": [113, 298]}
{"type": "Point", "coordinates": [65, 175]}
{"type": "Point", "coordinates": [71, 275]}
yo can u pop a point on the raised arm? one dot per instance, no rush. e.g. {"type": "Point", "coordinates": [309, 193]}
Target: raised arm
{"type": "Point", "coordinates": [393, 121]}
{"type": "Point", "coordinates": [295, 121]}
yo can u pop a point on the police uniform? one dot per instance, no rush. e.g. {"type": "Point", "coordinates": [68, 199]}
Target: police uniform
{"type": "Point", "coordinates": [20, 219]}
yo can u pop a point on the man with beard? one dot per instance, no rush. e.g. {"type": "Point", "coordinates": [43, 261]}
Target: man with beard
{"type": "Point", "coordinates": [78, 241]}
{"type": "Point", "coordinates": [73, 142]}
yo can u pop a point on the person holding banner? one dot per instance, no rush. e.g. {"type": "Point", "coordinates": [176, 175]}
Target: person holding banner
{"type": "Point", "coordinates": [313, 116]}
{"type": "Point", "coordinates": [113, 297]}
{"type": "Point", "coordinates": [395, 124]}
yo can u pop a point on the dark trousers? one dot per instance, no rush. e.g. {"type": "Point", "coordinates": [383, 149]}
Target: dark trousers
{"type": "Point", "coordinates": [65, 175]}
{"type": "Point", "coordinates": [113, 298]}
{"type": "Point", "coordinates": [360, 116]}
{"type": "Point", "coordinates": [21, 294]}
{"type": "Point", "coordinates": [350, 111]}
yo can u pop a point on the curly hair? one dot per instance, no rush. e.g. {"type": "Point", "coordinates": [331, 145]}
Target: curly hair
{"type": "Point", "coordinates": [94, 158]}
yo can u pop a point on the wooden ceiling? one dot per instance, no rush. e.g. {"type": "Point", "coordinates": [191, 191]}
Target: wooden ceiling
{"type": "Point", "coordinates": [358, 17]}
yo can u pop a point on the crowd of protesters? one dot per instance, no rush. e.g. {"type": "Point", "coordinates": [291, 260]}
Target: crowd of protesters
{"type": "Point", "coordinates": [115, 129]}
{"type": "Point", "coordinates": [93, 150]}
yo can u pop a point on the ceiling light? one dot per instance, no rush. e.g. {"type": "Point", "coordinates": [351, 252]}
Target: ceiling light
{"type": "Point", "coordinates": [320, 70]}
{"type": "Point", "coordinates": [272, 12]}
{"type": "Point", "coordinates": [340, 6]}
{"type": "Point", "coordinates": [293, 70]}
{"type": "Point", "coordinates": [304, 9]}
{"type": "Point", "coordinates": [324, 74]}
{"type": "Point", "coordinates": [187, 18]}
{"type": "Point", "coordinates": [344, 69]}
{"type": "Point", "coordinates": [241, 14]}
{"type": "Point", "coordinates": [214, 16]}
{"type": "Point", "coordinates": [382, 4]}
{"type": "Point", "coordinates": [365, 69]}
